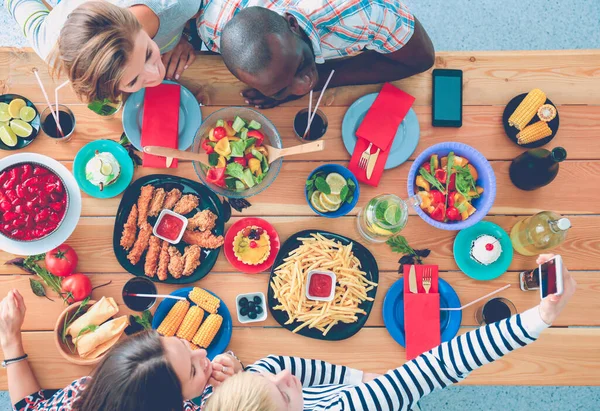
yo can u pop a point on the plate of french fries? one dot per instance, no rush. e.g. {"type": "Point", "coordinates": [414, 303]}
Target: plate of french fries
{"type": "Point", "coordinates": [202, 319]}
{"type": "Point", "coordinates": [531, 119]}
{"type": "Point", "coordinates": [356, 273]}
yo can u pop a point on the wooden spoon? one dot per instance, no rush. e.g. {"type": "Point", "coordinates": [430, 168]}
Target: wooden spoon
{"type": "Point", "coordinates": [274, 153]}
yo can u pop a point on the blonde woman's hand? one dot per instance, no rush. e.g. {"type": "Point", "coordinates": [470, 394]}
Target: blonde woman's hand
{"type": "Point", "coordinates": [223, 367]}
{"type": "Point", "coordinates": [178, 59]}
{"type": "Point", "coordinates": [552, 305]}
{"type": "Point", "coordinates": [12, 315]}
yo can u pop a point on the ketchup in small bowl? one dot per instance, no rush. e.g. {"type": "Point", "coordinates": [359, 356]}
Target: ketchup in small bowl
{"type": "Point", "coordinates": [320, 285]}
{"type": "Point", "coordinates": [170, 226]}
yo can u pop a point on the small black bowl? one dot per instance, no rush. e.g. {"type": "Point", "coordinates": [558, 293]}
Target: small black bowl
{"type": "Point", "coordinates": [512, 132]}
{"type": "Point", "coordinates": [139, 285]}
{"type": "Point", "coordinates": [22, 142]}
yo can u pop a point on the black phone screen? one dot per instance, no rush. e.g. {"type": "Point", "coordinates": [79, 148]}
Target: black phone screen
{"type": "Point", "coordinates": [447, 98]}
{"type": "Point", "coordinates": [548, 278]}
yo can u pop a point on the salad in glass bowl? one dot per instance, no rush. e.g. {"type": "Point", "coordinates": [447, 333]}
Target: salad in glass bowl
{"type": "Point", "coordinates": [238, 163]}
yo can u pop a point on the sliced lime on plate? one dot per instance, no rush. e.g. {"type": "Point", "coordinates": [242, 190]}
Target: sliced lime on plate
{"type": "Point", "coordinates": [21, 128]}
{"type": "Point", "coordinates": [15, 106]}
{"type": "Point", "coordinates": [7, 136]}
{"type": "Point", "coordinates": [27, 114]}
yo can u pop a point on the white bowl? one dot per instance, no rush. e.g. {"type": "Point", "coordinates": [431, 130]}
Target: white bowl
{"type": "Point", "coordinates": [245, 319]}
{"type": "Point", "coordinates": [174, 214]}
{"type": "Point", "coordinates": [322, 272]}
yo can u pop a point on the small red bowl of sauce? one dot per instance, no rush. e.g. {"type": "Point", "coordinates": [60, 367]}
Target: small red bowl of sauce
{"type": "Point", "coordinates": [320, 285]}
{"type": "Point", "coordinates": [170, 226]}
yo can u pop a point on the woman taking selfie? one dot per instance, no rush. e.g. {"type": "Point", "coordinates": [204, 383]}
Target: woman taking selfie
{"type": "Point", "coordinates": [107, 48]}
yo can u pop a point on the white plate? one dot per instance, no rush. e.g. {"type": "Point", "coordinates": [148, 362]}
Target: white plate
{"type": "Point", "coordinates": [73, 212]}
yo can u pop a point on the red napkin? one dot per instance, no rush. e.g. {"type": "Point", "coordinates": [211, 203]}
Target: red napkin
{"type": "Point", "coordinates": [379, 127]}
{"type": "Point", "coordinates": [421, 313]}
{"type": "Point", "coordinates": [160, 126]}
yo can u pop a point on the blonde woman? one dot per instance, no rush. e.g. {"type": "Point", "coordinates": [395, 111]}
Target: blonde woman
{"type": "Point", "coordinates": [107, 48]}
{"type": "Point", "coordinates": [279, 383]}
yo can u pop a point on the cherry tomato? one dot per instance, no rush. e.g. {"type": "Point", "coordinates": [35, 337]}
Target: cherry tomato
{"type": "Point", "coordinates": [77, 286]}
{"type": "Point", "coordinates": [241, 160]}
{"type": "Point", "coordinates": [216, 176]}
{"type": "Point", "coordinates": [439, 213]}
{"type": "Point", "coordinates": [207, 147]}
{"type": "Point", "coordinates": [61, 261]}
{"type": "Point", "coordinates": [453, 214]}
{"type": "Point", "coordinates": [260, 137]}
{"type": "Point", "coordinates": [219, 133]}
{"type": "Point", "coordinates": [437, 196]}
{"type": "Point", "coordinates": [440, 175]}
{"type": "Point", "coordinates": [451, 198]}
{"type": "Point", "coordinates": [452, 184]}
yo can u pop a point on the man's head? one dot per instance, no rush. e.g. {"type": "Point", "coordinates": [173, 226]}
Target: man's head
{"type": "Point", "coordinates": [269, 52]}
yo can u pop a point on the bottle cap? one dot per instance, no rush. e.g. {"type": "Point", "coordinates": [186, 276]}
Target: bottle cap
{"type": "Point", "coordinates": [564, 224]}
{"type": "Point", "coordinates": [559, 154]}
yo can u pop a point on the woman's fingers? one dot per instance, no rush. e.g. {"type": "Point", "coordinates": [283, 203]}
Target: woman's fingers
{"type": "Point", "coordinates": [173, 63]}
{"type": "Point", "coordinates": [20, 301]}
{"type": "Point", "coordinates": [542, 258]}
{"type": "Point", "coordinates": [186, 59]}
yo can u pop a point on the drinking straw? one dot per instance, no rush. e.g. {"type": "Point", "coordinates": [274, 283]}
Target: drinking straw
{"type": "Point", "coordinates": [155, 296]}
{"type": "Point", "coordinates": [477, 300]}
{"type": "Point", "coordinates": [309, 106]}
{"type": "Point", "coordinates": [317, 105]}
{"type": "Point", "coordinates": [56, 94]}
{"type": "Point", "coordinates": [55, 115]}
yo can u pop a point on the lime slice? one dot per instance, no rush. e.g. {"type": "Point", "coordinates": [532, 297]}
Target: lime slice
{"type": "Point", "coordinates": [330, 199]}
{"type": "Point", "coordinates": [316, 203]}
{"type": "Point", "coordinates": [3, 108]}
{"type": "Point", "coordinates": [326, 205]}
{"type": "Point", "coordinates": [7, 136]}
{"type": "Point", "coordinates": [15, 106]}
{"type": "Point", "coordinates": [392, 214]}
{"type": "Point", "coordinates": [27, 113]}
{"type": "Point", "coordinates": [21, 128]}
{"type": "Point", "coordinates": [336, 183]}
{"type": "Point", "coordinates": [4, 116]}
{"type": "Point", "coordinates": [106, 169]}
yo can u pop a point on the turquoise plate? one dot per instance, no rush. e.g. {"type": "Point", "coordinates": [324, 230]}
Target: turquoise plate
{"type": "Point", "coordinates": [462, 251]}
{"type": "Point", "coordinates": [87, 153]}
{"type": "Point", "coordinates": [190, 117]}
{"type": "Point", "coordinates": [405, 142]}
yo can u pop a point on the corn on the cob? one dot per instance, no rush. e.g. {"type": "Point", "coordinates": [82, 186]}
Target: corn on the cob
{"type": "Point", "coordinates": [208, 330]}
{"type": "Point", "coordinates": [194, 347]}
{"type": "Point", "coordinates": [173, 320]}
{"type": "Point", "coordinates": [527, 109]}
{"type": "Point", "coordinates": [534, 132]}
{"type": "Point", "coordinates": [205, 300]}
{"type": "Point", "coordinates": [190, 323]}
{"type": "Point", "coordinates": [547, 112]}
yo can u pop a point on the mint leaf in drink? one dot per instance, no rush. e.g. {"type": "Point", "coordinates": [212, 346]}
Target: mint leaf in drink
{"type": "Point", "coordinates": [380, 210]}
{"type": "Point", "coordinates": [322, 185]}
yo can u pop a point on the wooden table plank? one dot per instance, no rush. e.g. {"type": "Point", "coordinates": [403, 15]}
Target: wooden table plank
{"type": "Point", "coordinates": [92, 240]}
{"type": "Point", "coordinates": [567, 76]}
{"type": "Point", "coordinates": [561, 356]}
{"type": "Point", "coordinates": [482, 128]}
{"type": "Point", "coordinates": [42, 313]}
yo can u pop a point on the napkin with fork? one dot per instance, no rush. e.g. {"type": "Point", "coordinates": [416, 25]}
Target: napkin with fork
{"type": "Point", "coordinates": [160, 125]}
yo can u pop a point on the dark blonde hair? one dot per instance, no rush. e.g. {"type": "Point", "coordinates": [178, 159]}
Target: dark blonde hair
{"type": "Point", "coordinates": [93, 49]}
{"type": "Point", "coordinates": [245, 391]}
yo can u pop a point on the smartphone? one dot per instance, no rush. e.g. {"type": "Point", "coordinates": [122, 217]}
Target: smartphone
{"type": "Point", "coordinates": [551, 278]}
{"type": "Point", "coordinates": [447, 98]}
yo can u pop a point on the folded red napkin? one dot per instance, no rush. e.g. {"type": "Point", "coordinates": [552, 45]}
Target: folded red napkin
{"type": "Point", "coordinates": [421, 313]}
{"type": "Point", "coordinates": [379, 127]}
{"type": "Point", "coordinates": [160, 126]}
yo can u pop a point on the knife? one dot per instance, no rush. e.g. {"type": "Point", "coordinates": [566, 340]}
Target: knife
{"type": "Point", "coordinates": [169, 161]}
{"type": "Point", "coordinates": [371, 165]}
{"type": "Point", "coordinates": [412, 280]}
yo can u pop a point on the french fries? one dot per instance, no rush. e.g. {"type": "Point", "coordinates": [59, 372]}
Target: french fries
{"type": "Point", "coordinates": [352, 286]}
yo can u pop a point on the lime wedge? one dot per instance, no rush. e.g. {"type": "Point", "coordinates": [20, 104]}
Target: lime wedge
{"type": "Point", "coordinates": [15, 106]}
{"type": "Point", "coordinates": [4, 116]}
{"type": "Point", "coordinates": [106, 169]}
{"type": "Point", "coordinates": [331, 199]}
{"type": "Point", "coordinates": [392, 214]}
{"type": "Point", "coordinates": [3, 108]}
{"type": "Point", "coordinates": [316, 203]}
{"type": "Point", "coordinates": [21, 128]}
{"type": "Point", "coordinates": [336, 183]}
{"type": "Point", "coordinates": [7, 136]}
{"type": "Point", "coordinates": [27, 113]}
{"type": "Point", "coordinates": [326, 205]}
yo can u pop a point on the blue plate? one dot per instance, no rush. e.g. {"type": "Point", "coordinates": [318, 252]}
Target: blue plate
{"type": "Point", "coordinates": [222, 338]}
{"type": "Point", "coordinates": [462, 251]}
{"type": "Point", "coordinates": [405, 142]}
{"type": "Point", "coordinates": [87, 153]}
{"type": "Point", "coordinates": [347, 174]}
{"type": "Point", "coordinates": [393, 311]}
{"type": "Point", "coordinates": [190, 117]}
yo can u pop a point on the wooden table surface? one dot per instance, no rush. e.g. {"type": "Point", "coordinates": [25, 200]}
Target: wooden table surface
{"type": "Point", "coordinates": [567, 354]}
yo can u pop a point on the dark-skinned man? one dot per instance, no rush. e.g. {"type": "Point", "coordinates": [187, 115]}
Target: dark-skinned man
{"type": "Point", "coordinates": [282, 49]}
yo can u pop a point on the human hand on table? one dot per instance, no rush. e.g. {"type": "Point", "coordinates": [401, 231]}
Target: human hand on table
{"type": "Point", "coordinates": [223, 367]}
{"type": "Point", "coordinates": [552, 305]}
{"type": "Point", "coordinates": [12, 315]}
{"type": "Point", "coordinates": [178, 59]}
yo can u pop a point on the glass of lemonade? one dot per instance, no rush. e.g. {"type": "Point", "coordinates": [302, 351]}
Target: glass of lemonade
{"type": "Point", "coordinates": [383, 217]}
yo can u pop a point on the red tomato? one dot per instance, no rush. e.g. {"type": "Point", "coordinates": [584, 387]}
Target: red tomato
{"type": "Point", "coordinates": [77, 287]}
{"type": "Point", "coordinates": [241, 160]}
{"type": "Point", "coordinates": [219, 133]}
{"type": "Point", "coordinates": [61, 261]}
{"type": "Point", "coordinates": [249, 156]}
{"type": "Point", "coordinates": [453, 214]}
{"type": "Point", "coordinates": [260, 137]}
{"type": "Point", "coordinates": [437, 196]}
{"type": "Point", "coordinates": [452, 184]}
{"type": "Point", "coordinates": [427, 167]}
{"type": "Point", "coordinates": [439, 213]}
{"type": "Point", "coordinates": [216, 176]}
{"type": "Point", "coordinates": [207, 147]}
{"type": "Point", "coordinates": [440, 175]}
{"type": "Point", "coordinates": [451, 198]}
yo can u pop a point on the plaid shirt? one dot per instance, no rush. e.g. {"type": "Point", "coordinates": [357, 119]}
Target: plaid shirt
{"type": "Point", "coordinates": [336, 28]}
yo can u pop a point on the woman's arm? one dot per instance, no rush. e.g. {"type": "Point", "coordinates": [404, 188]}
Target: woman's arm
{"type": "Point", "coordinates": [30, 15]}
{"type": "Point", "coordinates": [21, 381]}
{"type": "Point", "coordinates": [310, 372]}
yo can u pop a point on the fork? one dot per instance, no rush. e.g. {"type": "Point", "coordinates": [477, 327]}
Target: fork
{"type": "Point", "coordinates": [426, 280]}
{"type": "Point", "coordinates": [364, 158]}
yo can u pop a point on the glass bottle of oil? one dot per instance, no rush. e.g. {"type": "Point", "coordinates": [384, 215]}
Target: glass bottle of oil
{"type": "Point", "coordinates": [539, 233]}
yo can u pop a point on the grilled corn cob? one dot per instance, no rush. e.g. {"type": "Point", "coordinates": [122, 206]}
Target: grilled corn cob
{"type": "Point", "coordinates": [190, 323]}
{"type": "Point", "coordinates": [207, 331]}
{"type": "Point", "coordinates": [194, 347]}
{"type": "Point", "coordinates": [205, 300]}
{"type": "Point", "coordinates": [547, 112]}
{"type": "Point", "coordinates": [534, 132]}
{"type": "Point", "coordinates": [171, 323]}
{"type": "Point", "coordinates": [527, 109]}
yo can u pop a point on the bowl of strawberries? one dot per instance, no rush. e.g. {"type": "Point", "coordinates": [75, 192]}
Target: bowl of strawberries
{"type": "Point", "coordinates": [455, 184]}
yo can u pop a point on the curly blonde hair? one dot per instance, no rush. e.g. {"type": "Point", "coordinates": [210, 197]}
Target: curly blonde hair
{"type": "Point", "coordinates": [245, 391]}
{"type": "Point", "coordinates": [93, 49]}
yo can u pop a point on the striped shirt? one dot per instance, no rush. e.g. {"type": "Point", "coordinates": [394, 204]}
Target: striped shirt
{"type": "Point", "coordinates": [336, 28]}
{"type": "Point", "coordinates": [333, 387]}
{"type": "Point", "coordinates": [42, 26]}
